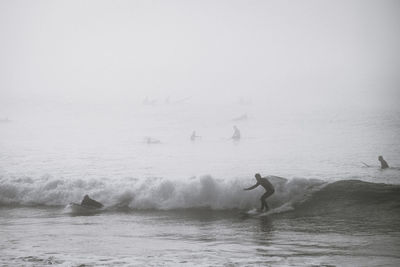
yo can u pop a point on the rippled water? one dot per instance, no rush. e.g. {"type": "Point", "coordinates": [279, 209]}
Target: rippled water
{"type": "Point", "coordinates": [182, 203]}
{"type": "Point", "coordinates": [38, 236]}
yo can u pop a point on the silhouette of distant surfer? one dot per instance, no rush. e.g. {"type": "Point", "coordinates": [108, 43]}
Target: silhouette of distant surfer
{"type": "Point", "coordinates": [269, 188]}
{"type": "Point", "coordinates": [236, 133]}
{"type": "Point", "coordinates": [150, 141]}
{"type": "Point", "coordinates": [91, 203]}
{"type": "Point", "coordinates": [384, 164]}
{"type": "Point", "coordinates": [240, 118]}
{"type": "Point", "coordinates": [194, 136]}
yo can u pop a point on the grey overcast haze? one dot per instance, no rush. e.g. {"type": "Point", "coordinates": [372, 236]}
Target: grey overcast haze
{"type": "Point", "coordinates": [282, 53]}
{"type": "Point", "coordinates": [200, 133]}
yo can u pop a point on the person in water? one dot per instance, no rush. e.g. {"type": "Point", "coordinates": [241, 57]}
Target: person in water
{"type": "Point", "coordinates": [269, 188]}
{"type": "Point", "coordinates": [194, 136]}
{"type": "Point", "coordinates": [150, 141]}
{"type": "Point", "coordinates": [384, 164]}
{"type": "Point", "coordinates": [236, 133]}
{"type": "Point", "coordinates": [88, 202]}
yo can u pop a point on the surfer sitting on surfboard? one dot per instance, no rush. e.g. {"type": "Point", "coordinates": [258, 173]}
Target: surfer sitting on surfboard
{"type": "Point", "coordinates": [236, 133]}
{"type": "Point", "coordinates": [384, 164]}
{"type": "Point", "coordinates": [269, 188]}
{"type": "Point", "coordinates": [88, 202]}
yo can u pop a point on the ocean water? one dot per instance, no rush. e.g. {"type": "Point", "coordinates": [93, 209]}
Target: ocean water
{"type": "Point", "coordinates": [180, 202]}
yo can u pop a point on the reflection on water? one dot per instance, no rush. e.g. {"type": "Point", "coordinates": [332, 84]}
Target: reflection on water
{"type": "Point", "coordinates": [265, 225]}
{"type": "Point", "coordinates": [200, 237]}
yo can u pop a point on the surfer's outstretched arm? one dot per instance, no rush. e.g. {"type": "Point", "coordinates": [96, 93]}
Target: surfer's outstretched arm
{"type": "Point", "coordinates": [252, 187]}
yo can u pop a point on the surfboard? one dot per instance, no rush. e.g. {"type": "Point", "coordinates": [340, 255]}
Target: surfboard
{"type": "Point", "coordinates": [365, 164]}
{"type": "Point", "coordinates": [257, 214]}
{"type": "Point", "coordinates": [75, 208]}
{"type": "Point", "coordinates": [253, 213]}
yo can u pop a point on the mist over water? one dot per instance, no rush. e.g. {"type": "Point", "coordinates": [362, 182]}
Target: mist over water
{"type": "Point", "coordinates": [54, 158]}
{"type": "Point", "coordinates": [111, 142]}
{"type": "Point", "coordinates": [135, 102]}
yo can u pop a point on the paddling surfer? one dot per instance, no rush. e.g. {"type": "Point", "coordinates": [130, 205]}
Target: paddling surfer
{"type": "Point", "coordinates": [269, 188]}
{"type": "Point", "coordinates": [88, 202]}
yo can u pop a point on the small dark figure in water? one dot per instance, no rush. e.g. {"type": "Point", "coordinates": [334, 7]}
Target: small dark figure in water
{"type": "Point", "coordinates": [269, 188]}
{"type": "Point", "coordinates": [236, 133]}
{"type": "Point", "coordinates": [88, 202]}
{"type": "Point", "coordinates": [240, 118]}
{"type": "Point", "coordinates": [194, 136]}
{"type": "Point", "coordinates": [384, 164]}
{"type": "Point", "coordinates": [150, 141]}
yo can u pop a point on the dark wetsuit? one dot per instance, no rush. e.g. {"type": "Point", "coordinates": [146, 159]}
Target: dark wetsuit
{"type": "Point", "coordinates": [384, 164]}
{"type": "Point", "coordinates": [269, 188]}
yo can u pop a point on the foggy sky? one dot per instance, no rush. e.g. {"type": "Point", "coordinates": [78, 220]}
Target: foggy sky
{"type": "Point", "coordinates": [271, 51]}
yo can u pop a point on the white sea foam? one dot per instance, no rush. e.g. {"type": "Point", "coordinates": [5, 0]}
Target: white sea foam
{"type": "Point", "coordinates": [152, 193]}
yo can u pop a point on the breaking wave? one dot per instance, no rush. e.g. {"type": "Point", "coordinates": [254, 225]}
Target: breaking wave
{"type": "Point", "coordinates": [306, 195]}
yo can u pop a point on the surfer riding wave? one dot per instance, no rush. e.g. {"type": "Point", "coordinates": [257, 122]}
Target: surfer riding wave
{"type": "Point", "coordinates": [269, 188]}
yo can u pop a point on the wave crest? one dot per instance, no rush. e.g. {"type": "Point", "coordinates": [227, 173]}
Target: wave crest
{"type": "Point", "coordinates": [306, 195]}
